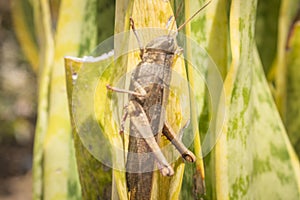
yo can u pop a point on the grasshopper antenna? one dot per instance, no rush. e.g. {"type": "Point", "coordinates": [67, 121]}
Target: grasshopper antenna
{"type": "Point", "coordinates": [187, 21]}
{"type": "Point", "coordinates": [176, 15]}
{"type": "Point", "coordinates": [135, 33]}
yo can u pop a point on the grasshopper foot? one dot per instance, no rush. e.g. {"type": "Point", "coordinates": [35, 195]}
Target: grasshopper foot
{"type": "Point", "coordinates": [189, 156]}
{"type": "Point", "coordinates": [167, 171]}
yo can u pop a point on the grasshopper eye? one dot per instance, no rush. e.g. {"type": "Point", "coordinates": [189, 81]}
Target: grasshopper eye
{"type": "Point", "coordinates": [170, 42]}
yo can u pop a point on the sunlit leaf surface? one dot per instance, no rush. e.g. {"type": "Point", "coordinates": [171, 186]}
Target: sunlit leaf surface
{"type": "Point", "coordinates": [254, 158]}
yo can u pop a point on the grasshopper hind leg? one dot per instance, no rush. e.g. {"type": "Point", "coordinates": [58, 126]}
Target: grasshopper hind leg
{"type": "Point", "coordinates": [170, 134]}
{"type": "Point", "coordinates": [139, 120]}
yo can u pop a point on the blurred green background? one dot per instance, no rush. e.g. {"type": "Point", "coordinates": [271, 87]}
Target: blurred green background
{"type": "Point", "coordinates": [18, 86]}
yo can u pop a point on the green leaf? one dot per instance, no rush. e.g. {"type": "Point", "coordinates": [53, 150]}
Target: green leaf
{"type": "Point", "coordinates": [293, 88]}
{"type": "Point", "coordinates": [46, 40]}
{"type": "Point", "coordinates": [254, 159]}
{"type": "Point", "coordinates": [58, 146]}
{"type": "Point", "coordinates": [266, 31]}
{"type": "Point", "coordinates": [105, 19]}
{"type": "Point", "coordinates": [210, 31]}
{"type": "Point", "coordinates": [278, 73]}
{"type": "Point", "coordinates": [91, 171]}
{"type": "Point", "coordinates": [24, 29]}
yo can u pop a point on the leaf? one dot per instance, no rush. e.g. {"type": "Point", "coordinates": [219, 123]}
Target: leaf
{"type": "Point", "coordinates": [293, 88]}
{"type": "Point", "coordinates": [46, 40]}
{"type": "Point", "coordinates": [278, 72]}
{"type": "Point", "coordinates": [105, 19]}
{"type": "Point", "coordinates": [24, 29]}
{"type": "Point", "coordinates": [91, 171]}
{"type": "Point", "coordinates": [266, 31]}
{"type": "Point", "coordinates": [197, 88]}
{"type": "Point", "coordinates": [57, 148]}
{"type": "Point", "coordinates": [94, 123]}
{"type": "Point", "coordinates": [254, 159]}
{"type": "Point", "coordinates": [96, 136]}
{"type": "Point", "coordinates": [209, 66]}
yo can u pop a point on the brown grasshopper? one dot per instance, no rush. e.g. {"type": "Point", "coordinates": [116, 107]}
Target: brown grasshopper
{"type": "Point", "coordinates": [148, 96]}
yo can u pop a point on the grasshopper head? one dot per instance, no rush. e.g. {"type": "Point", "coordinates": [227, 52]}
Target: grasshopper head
{"type": "Point", "coordinates": [165, 43]}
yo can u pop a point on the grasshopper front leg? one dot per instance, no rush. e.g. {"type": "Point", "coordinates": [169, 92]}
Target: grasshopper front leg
{"type": "Point", "coordinates": [138, 94]}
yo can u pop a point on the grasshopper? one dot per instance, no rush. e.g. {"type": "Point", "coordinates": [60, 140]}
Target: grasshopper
{"type": "Point", "coordinates": [148, 96]}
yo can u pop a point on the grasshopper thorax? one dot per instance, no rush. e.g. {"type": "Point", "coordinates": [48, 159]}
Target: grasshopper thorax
{"type": "Point", "coordinates": [164, 43]}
